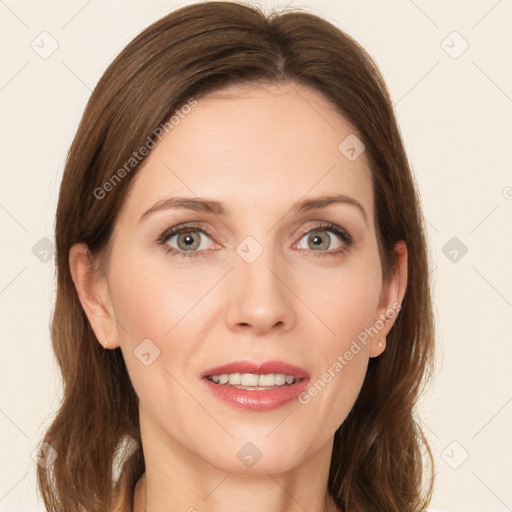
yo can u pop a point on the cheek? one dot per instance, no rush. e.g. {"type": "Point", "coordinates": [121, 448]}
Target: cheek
{"type": "Point", "coordinates": [347, 306]}
{"type": "Point", "coordinates": [346, 303]}
{"type": "Point", "coordinates": [151, 303]}
{"type": "Point", "coordinates": [141, 304]}
{"type": "Point", "coordinates": [149, 299]}
{"type": "Point", "coordinates": [153, 300]}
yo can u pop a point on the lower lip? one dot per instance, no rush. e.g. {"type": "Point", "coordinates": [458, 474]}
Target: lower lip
{"type": "Point", "coordinates": [258, 400]}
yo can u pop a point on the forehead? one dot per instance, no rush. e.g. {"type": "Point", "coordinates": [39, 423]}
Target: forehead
{"type": "Point", "coordinates": [256, 146]}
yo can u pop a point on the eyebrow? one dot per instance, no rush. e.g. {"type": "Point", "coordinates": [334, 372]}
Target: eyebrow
{"type": "Point", "coordinates": [217, 208]}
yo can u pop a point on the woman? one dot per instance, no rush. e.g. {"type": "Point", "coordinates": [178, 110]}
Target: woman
{"type": "Point", "coordinates": [243, 315]}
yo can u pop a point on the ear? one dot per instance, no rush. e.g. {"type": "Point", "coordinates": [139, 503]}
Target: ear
{"type": "Point", "coordinates": [92, 289]}
{"type": "Point", "coordinates": [390, 301]}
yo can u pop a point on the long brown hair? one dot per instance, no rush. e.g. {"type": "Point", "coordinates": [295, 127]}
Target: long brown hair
{"type": "Point", "coordinates": [379, 452]}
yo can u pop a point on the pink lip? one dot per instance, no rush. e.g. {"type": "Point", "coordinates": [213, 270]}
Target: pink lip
{"type": "Point", "coordinates": [258, 400]}
{"type": "Point", "coordinates": [259, 368]}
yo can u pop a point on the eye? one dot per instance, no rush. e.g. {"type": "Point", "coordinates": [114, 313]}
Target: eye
{"type": "Point", "coordinates": [187, 241]}
{"type": "Point", "coordinates": [319, 242]}
{"type": "Point", "coordinates": [192, 240]}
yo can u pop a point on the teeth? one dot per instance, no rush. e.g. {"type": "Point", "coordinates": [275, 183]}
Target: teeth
{"type": "Point", "coordinates": [249, 379]}
{"type": "Point", "coordinates": [281, 379]}
{"type": "Point", "coordinates": [235, 378]}
{"type": "Point", "coordinates": [253, 380]}
{"type": "Point", "coordinates": [267, 380]}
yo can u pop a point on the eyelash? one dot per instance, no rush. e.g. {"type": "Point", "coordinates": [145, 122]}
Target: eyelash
{"type": "Point", "coordinates": [323, 226]}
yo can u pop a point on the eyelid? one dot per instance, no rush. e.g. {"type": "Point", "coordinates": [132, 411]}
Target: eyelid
{"type": "Point", "coordinates": [328, 226]}
{"type": "Point", "coordinates": [317, 225]}
{"type": "Point", "coordinates": [184, 226]}
{"type": "Point", "coordinates": [342, 233]}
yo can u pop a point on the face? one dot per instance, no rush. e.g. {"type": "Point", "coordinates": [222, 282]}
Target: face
{"type": "Point", "coordinates": [263, 275]}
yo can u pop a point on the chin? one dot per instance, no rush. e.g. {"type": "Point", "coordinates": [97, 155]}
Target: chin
{"type": "Point", "coordinates": [252, 454]}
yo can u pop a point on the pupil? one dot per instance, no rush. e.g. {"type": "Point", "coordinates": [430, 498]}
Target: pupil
{"type": "Point", "coordinates": [319, 240]}
{"type": "Point", "coordinates": [187, 242]}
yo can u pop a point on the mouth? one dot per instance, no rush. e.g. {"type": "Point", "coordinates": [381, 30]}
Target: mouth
{"type": "Point", "coordinates": [256, 386]}
{"type": "Point", "coordinates": [253, 381]}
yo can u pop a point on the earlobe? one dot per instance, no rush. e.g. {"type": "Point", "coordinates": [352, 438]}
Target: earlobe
{"type": "Point", "coordinates": [92, 292]}
{"type": "Point", "coordinates": [393, 292]}
{"type": "Point", "coordinates": [378, 348]}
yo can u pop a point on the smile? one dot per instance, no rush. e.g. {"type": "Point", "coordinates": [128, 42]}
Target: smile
{"type": "Point", "coordinates": [256, 386]}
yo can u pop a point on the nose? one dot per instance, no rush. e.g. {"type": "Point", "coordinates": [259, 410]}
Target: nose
{"type": "Point", "coordinates": [259, 297]}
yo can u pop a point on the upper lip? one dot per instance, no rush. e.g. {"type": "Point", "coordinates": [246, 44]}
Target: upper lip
{"type": "Point", "coordinates": [262, 368]}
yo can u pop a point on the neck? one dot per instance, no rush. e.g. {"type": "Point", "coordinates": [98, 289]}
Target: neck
{"type": "Point", "coordinates": [141, 501]}
{"type": "Point", "coordinates": [179, 477]}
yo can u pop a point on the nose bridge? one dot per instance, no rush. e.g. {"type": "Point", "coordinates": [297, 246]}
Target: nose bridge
{"type": "Point", "coordinates": [259, 297]}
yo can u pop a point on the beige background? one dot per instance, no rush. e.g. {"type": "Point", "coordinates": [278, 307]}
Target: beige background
{"type": "Point", "coordinates": [455, 112]}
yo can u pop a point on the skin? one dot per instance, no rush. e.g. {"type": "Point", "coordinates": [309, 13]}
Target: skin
{"type": "Point", "coordinates": [258, 150]}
